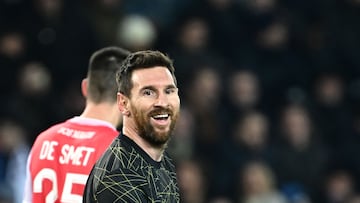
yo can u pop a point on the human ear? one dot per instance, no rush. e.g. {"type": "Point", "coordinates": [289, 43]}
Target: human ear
{"type": "Point", "coordinates": [122, 102]}
{"type": "Point", "coordinates": [84, 87]}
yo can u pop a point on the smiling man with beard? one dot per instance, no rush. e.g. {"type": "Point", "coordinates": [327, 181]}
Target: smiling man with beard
{"type": "Point", "coordinates": [136, 168]}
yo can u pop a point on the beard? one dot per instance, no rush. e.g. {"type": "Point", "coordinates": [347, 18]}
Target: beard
{"type": "Point", "coordinates": [148, 132]}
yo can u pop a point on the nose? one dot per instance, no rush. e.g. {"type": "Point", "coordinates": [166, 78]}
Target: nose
{"type": "Point", "coordinates": [162, 100]}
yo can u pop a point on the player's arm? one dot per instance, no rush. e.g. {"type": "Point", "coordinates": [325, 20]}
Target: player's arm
{"type": "Point", "coordinates": [122, 186]}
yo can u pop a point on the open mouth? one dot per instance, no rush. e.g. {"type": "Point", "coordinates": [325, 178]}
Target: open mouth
{"type": "Point", "coordinates": [161, 117]}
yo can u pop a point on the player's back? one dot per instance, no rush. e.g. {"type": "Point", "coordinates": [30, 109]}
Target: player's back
{"type": "Point", "coordinates": [62, 157]}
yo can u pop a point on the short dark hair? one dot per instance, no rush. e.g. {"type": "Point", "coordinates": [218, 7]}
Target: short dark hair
{"type": "Point", "coordinates": [102, 69]}
{"type": "Point", "coordinates": [141, 60]}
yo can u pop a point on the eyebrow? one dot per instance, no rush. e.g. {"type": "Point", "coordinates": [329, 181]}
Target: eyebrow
{"type": "Point", "coordinates": [153, 88]}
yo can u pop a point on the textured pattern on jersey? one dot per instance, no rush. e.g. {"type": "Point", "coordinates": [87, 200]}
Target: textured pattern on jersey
{"type": "Point", "coordinates": [126, 174]}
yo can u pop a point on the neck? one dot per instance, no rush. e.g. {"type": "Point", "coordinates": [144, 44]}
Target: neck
{"type": "Point", "coordinates": [155, 153]}
{"type": "Point", "coordinates": [102, 111]}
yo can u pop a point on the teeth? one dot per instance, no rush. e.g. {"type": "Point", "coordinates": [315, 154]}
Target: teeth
{"type": "Point", "coordinates": [161, 116]}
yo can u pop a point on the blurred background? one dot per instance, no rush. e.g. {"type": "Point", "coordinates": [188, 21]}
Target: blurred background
{"type": "Point", "coordinates": [270, 89]}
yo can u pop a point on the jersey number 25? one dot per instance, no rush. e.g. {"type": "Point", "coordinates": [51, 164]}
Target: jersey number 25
{"type": "Point", "coordinates": [70, 180]}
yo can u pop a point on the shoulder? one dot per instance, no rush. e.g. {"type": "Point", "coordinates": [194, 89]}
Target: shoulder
{"type": "Point", "coordinates": [119, 160]}
{"type": "Point", "coordinates": [168, 162]}
{"type": "Point", "coordinates": [122, 184]}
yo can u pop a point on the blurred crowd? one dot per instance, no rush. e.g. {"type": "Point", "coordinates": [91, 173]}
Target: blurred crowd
{"type": "Point", "coordinates": [270, 89]}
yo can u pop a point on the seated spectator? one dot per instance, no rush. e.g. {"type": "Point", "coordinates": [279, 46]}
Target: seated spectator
{"type": "Point", "coordinates": [258, 184]}
{"type": "Point", "coordinates": [299, 157]}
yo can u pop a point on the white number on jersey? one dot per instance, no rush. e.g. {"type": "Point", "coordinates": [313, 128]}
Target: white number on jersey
{"type": "Point", "coordinates": [70, 180]}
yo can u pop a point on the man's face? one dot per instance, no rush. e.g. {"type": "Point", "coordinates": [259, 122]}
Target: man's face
{"type": "Point", "coordinates": [154, 104]}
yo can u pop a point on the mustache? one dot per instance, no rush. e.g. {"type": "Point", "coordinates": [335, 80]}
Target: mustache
{"type": "Point", "coordinates": [161, 110]}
